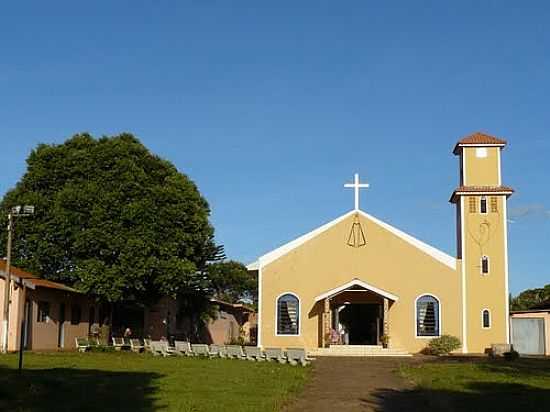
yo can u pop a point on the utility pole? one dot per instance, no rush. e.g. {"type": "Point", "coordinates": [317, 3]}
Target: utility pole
{"type": "Point", "coordinates": [27, 210]}
{"type": "Point", "coordinates": [7, 289]}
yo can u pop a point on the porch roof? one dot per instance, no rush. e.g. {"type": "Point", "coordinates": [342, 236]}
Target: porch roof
{"type": "Point", "coordinates": [356, 282]}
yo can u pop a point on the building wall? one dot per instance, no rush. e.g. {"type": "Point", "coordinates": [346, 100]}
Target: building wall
{"type": "Point", "coordinates": [44, 335]}
{"type": "Point", "coordinates": [484, 235]}
{"type": "Point", "coordinates": [386, 261]}
{"type": "Point", "coordinates": [539, 315]}
{"type": "Point", "coordinates": [481, 171]}
{"type": "Point", "coordinates": [16, 313]}
{"type": "Point", "coordinates": [218, 331]}
{"type": "Point", "coordinates": [224, 328]}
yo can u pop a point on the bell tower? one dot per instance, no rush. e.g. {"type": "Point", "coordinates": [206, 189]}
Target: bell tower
{"type": "Point", "coordinates": [482, 244]}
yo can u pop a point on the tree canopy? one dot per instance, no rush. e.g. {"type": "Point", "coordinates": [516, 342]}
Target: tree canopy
{"type": "Point", "coordinates": [531, 298]}
{"type": "Point", "coordinates": [232, 282]}
{"type": "Point", "coordinates": [112, 219]}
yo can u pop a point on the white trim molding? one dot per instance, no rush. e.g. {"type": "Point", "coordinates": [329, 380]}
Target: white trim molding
{"type": "Point", "coordinates": [464, 253]}
{"type": "Point", "coordinates": [506, 287]}
{"type": "Point", "coordinates": [481, 145]}
{"type": "Point", "coordinates": [275, 254]}
{"type": "Point", "coordinates": [437, 254]}
{"type": "Point", "coordinates": [464, 174]}
{"type": "Point", "coordinates": [253, 266]}
{"type": "Point", "coordinates": [277, 315]}
{"type": "Point", "coordinates": [356, 282]}
{"type": "Point", "coordinates": [260, 309]}
{"type": "Point", "coordinates": [439, 325]}
{"type": "Point", "coordinates": [499, 153]}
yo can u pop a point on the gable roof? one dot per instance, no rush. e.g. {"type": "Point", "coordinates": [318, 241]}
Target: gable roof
{"type": "Point", "coordinates": [286, 248]}
{"type": "Point", "coordinates": [356, 282]}
{"type": "Point", "coordinates": [478, 139]}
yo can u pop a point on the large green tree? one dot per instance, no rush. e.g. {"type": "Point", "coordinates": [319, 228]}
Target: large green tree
{"type": "Point", "coordinates": [112, 219]}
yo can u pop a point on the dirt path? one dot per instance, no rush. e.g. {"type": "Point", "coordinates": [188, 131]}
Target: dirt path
{"type": "Point", "coordinates": [357, 384]}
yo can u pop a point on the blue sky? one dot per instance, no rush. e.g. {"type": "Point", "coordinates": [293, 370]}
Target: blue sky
{"type": "Point", "coordinates": [271, 106]}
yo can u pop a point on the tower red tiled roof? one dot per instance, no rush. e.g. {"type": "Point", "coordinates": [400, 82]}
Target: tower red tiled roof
{"type": "Point", "coordinates": [465, 190]}
{"type": "Point", "coordinates": [478, 139]}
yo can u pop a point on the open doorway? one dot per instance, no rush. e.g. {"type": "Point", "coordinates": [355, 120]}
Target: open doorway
{"type": "Point", "coordinates": [361, 323]}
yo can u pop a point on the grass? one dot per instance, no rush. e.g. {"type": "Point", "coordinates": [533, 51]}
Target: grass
{"type": "Point", "coordinates": [482, 384]}
{"type": "Point", "coordinates": [132, 382]}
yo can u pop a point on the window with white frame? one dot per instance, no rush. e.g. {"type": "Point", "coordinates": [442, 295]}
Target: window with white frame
{"type": "Point", "coordinates": [486, 318]}
{"type": "Point", "coordinates": [483, 205]}
{"type": "Point", "coordinates": [485, 265]}
{"type": "Point", "coordinates": [288, 315]}
{"type": "Point", "coordinates": [427, 316]}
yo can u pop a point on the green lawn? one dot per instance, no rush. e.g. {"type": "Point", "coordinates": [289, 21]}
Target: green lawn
{"type": "Point", "coordinates": [131, 382]}
{"type": "Point", "coordinates": [482, 385]}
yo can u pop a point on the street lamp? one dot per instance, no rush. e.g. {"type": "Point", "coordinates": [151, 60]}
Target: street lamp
{"type": "Point", "coordinates": [17, 211]}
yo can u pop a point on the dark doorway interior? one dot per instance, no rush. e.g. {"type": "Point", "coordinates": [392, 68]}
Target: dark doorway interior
{"type": "Point", "coordinates": [127, 315]}
{"type": "Point", "coordinates": [362, 321]}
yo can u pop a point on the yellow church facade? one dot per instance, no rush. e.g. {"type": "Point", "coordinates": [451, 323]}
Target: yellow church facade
{"type": "Point", "coordinates": [357, 279]}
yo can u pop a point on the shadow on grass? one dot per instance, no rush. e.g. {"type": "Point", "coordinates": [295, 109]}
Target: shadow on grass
{"type": "Point", "coordinates": [524, 367]}
{"type": "Point", "coordinates": [66, 389]}
{"type": "Point", "coordinates": [485, 397]}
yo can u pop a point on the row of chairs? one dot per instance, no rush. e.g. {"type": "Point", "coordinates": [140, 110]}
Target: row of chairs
{"type": "Point", "coordinates": [85, 344]}
{"type": "Point", "coordinates": [293, 356]}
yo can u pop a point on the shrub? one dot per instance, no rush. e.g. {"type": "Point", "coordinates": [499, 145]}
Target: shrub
{"type": "Point", "coordinates": [443, 345]}
{"type": "Point", "coordinates": [102, 348]}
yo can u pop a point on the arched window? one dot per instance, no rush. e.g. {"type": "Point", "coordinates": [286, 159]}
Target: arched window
{"type": "Point", "coordinates": [427, 316]}
{"type": "Point", "coordinates": [485, 265]}
{"type": "Point", "coordinates": [486, 318]}
{"type": "Point", "coordinates": [288, 315]}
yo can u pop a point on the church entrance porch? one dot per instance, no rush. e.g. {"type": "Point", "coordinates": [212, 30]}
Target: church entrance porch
{"type": "Point", "coordinates": [354, 314]}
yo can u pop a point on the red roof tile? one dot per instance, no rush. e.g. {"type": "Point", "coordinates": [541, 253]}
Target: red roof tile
{"type": "Point", "coordinates": [16, 271]}
{"type": "Point", "coordinates": [480, 190]}
{"type": "Point", "coordinates": [478, 139]}
{"type": "Point", "coordinates": [34, 280]}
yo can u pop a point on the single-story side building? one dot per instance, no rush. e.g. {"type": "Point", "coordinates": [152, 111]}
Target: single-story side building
{"type": "Point", "coordinates": [530, 330]}
{"type": "Point", "coordinates": [55, 314]}
{"type": "Point", "coordinates": [231, 323]}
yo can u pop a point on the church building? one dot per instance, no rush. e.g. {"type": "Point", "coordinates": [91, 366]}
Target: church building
{"type": "Point", "coordinates": [360, 281]}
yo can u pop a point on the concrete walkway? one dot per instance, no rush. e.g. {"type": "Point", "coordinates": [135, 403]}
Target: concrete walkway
{"type": "Point", "coordinates": [357, 384]}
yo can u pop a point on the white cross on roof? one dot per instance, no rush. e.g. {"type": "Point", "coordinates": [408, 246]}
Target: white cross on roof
{"type": "Point", "coordinates": [356, 186]}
